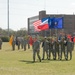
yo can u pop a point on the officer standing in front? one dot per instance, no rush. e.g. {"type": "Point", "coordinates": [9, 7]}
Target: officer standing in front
{"type": "Point", "coordinates": [36, 49]}
{"type": "Point", "coordinates": [45, 46]}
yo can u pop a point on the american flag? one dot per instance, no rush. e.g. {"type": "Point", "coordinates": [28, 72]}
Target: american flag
{"type": "Point", "coordinates": [36, 24]}
{"type": "Point", "coordinates": [42, 24]}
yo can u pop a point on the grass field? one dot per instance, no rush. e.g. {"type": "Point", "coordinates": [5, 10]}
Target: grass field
{"type": "Point", "coordinates": [19, 62]}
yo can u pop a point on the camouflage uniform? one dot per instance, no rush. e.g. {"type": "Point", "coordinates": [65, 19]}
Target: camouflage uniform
{"type": "Point", "coordinates": [45, 46]}
{"type": "Point", "coordinates": [18, 42]}
{"type": "Point", "coordinates": [61, 49]}
{"type": "Point", "coordinates": [50, 49]}
{"type": "Point", "coordinates": [24, 44]}
{"type": "Point", "coordinates": [69, 49]}
{"type": "Point", "coordinates": [51, 45]}
{"type": "Point", "coordinates": [28, 44]}
{"type": "Point", "coordinates": [13, 43]}
{"type": "Point", "coordinates": [36, 49]}
{"type": "Point", "coordinates": [56, 51]}
{"type": "Point", "coordinates": [22, 41]}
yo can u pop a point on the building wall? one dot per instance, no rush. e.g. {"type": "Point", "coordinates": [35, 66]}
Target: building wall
{"type": "Point", "coordinates": [69, 23]}
{"type": "Point", "coordinates": [31, 30]}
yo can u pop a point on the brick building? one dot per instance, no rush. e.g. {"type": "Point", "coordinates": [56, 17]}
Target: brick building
{"type": "Point", "coordinates": [68, 22]}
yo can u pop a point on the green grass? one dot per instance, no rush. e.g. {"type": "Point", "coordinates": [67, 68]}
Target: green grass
{"type": "Point", "coordinates": [19, 62]}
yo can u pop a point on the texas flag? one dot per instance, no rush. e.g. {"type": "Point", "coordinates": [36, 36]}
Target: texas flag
{"type": "Point", "coordinates": [41, 24]}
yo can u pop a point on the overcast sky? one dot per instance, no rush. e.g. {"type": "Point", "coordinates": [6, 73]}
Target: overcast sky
{"type": "Point", "coordinates": [20, 10]}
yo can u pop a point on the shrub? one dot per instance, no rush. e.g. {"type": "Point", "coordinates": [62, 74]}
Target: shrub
{"type": "Point", "coordinates": [5, 39]}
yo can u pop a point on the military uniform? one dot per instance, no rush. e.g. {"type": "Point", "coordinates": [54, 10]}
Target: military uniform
{"type": "Point", "coordinates": [51, 47]}
{"type": "Point", "coordinates": [69, 49]}
{"type": "Point", "coordinates": [72, 46]}
{"type": "Point", "coordinates": [45, 46]}
{"type": "Point", "coordinates": [28, 44]}
{"type": "Point", "coordinates": [22, 41]}
{"type": "Point", "coordinates": [0, 43]}
{"type": "Point", "coordinates": [18, 42]}
{"type": "Point", "coordinates": [61, 48]}
{"type": "Point", "coordinates": [13, 43]}
{"type": "Point", "coordinates": [36, 49]}
{"type": "Point", "coordinates": [56, 51]}
{"type": "Point", "coordinates": [24, 44]}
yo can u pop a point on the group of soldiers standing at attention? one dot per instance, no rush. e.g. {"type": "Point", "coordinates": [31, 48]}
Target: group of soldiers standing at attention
{"type": "Point", "coordinates": [53, 48]}
{"type": "Point", "coordinates": [57, 48]}
{"type": "Point", "coordinates": [20, 42]}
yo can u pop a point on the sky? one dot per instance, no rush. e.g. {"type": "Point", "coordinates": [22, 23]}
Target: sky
{"type": "Point", "coordinates": [20, 10]}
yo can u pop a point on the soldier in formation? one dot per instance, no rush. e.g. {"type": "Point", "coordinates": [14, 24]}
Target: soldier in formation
{"type": "Point", "coordinates": [58, 48]}
{"type": "Point", "coordinates": [45, 46]}
{"type": "Point", "coordinates": [18, 42]}
{"type": "Point", "coordinates": [24, 44]}
{"type": "Point", "coordinates": [13, 42]}
{"type": "Point", "coordinates": [69, 49]}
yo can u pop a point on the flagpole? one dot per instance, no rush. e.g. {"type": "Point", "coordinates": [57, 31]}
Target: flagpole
{"type": "Point", "coordinates": [50, 33]}
{"type": "Point", "coordinates": [63, 27]}
{"type": "Point", "coordinates": [45, 32]}
{"type": "Point", "coordinates": [55, 30]}
{"type": "Point", "coordinates": [45, 9]}
{"type": "Point", "coordinates": [44, 4]}
{"type": "Point", "coordinates": [8, 15]}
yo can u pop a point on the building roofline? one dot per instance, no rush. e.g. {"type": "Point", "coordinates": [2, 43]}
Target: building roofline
{"type": "Point", "coordinates": [60, 14]}
{"type": "Point", "coordinates": [33, 17]}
